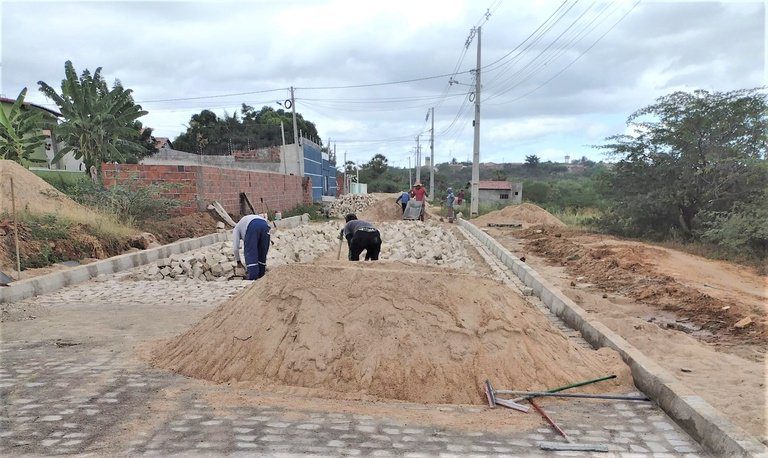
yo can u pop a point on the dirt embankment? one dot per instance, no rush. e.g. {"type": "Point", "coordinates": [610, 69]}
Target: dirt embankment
{"type": "Point", "coordinates": [432, 336]}
{"type": "Point", "coordinates": [181, 227]}
{"type": "Point", "coordinates": [717, 297]}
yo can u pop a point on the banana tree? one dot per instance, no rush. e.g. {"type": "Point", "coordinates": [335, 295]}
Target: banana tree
{"type": "Point", "coordinates": [99, 122]}
{"type": "Point", "coordinates": [21, 132]}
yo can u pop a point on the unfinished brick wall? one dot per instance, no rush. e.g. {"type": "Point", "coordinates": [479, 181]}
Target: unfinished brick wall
{"type": "Point", "coordinates": [196, 186]}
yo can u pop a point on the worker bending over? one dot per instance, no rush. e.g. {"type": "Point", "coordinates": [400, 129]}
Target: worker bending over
{"type": "Point", "coordinates": [254, 231]}
{"type": "Point", "coordinates": [361, 235]}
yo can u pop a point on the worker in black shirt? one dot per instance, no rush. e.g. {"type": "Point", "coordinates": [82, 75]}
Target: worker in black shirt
{"type": "Point", "coordinates": [361, 235]}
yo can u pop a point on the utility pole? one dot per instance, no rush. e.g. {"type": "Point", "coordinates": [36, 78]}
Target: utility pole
{"type": "Point", "coordinates": [418, 160]}
{"type": "Point", "coordinates": [410, 177]}
{"type": "Point", "coordinates": [473, 208]}
{"type": "Point", "coordinates": [299, 153]}
{"type": "Point", "coordinates": [432, 157]}
{"type": "Point", "coordinates": [346, 185]}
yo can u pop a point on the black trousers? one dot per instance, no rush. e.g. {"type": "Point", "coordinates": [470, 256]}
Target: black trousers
{"type": "Point", "coordinates": [403, 204]}
{"type": "Point", "coordinates": [365, 239]}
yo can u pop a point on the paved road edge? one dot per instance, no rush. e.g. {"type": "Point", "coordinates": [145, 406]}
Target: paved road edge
{"type": "Point", "coordinates": [43, 284]}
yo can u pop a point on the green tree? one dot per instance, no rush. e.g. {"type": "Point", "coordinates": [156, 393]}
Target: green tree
{"type": "Point", "coordinates": [21, 132]}
{"type": "Point", "coordinates": [694, 155]}
{"type": "Point", "coordinates": [532, 160]}
{"type": "Point", "coordinates": [99, 122]}
{"type": "Point", "coordinates": [377, 165]}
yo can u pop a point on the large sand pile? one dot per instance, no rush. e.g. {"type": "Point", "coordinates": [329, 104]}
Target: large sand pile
{"type": "Point", "coordinates": [33, 194]}
{"type": "Point", "coordinates": [383, 209]}
{"type": "Point", "coordinates": [387, 329]}
{"type": "Point", "coordinates": [525, 214]}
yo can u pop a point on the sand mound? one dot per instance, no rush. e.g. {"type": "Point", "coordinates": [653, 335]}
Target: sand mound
{"type": "Point", "coordinates": [35, 195]}
{"type": "Point", "coordinates": [526, 214]}
{"type": "Point", "coordinates": [430, 336]}
{"type": "Point", "coordinates": [383, 208]}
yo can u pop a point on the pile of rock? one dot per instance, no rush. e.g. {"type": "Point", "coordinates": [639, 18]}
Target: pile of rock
{"type": "Point", "coordinates": [303, 244]}
{"type": "Point", "coordinates": [217, 263]}
{"type": "Point", "coordinates": [350, 203]}
{"type": "Point", "coordinates": [210, 265]}
{"type": "Point", "coordinates": [424, 243]}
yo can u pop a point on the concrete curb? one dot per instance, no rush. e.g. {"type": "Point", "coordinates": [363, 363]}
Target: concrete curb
{"type": "Point", "coordinates": [695, 415]}
{"type": "Point", "coordinates": [46, 283]}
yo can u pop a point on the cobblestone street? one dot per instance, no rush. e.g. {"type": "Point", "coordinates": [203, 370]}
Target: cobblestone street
{"type": "Point", "coordinates": [71, 383]}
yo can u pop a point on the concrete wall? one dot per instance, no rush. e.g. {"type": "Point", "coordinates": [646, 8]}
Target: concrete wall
{"type": "Point", "coordinates": [176, 157]}
{"type": "Point", "coordinates": [196, 186]}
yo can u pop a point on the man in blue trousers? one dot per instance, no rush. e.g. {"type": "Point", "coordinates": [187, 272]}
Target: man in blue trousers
{"type": "Point", "coordinates": [254, 231]}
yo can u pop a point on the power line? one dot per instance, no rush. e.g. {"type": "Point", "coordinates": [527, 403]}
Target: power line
{"type": "Point", "coordinates": [214, 96]}
{"type": "Point", "coordinates": [552, 43]}
{"type": "Point", "coordinates": [532, 69]}
{"type": "Point", "coordinates": [574, 60]}
{"type": "Point", "coordinates": [488, 67]}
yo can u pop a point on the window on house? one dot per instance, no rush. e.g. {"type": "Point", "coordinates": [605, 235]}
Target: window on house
{"type": "Point", "coordinates": [516, 193]}
{"type": "Point", "coordinates": [503, 196]}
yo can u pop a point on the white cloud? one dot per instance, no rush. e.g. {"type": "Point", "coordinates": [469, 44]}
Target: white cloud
{"type": "Point", "coordinates": [179, 49]}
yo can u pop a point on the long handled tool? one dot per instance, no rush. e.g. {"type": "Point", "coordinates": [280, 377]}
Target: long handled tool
{"type": "Point", "coordinates": [570, 445]}
{"type": "Point", "coordinates": [567, 387]}
{"type": "Point", "coordinates": [536, 394]}
{"type": "Point", "coordinates": [338, 255]}
{"type": "Point", "coordinates": [493, 401]}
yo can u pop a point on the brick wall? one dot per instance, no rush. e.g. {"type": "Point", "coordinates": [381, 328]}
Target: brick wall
{"type": "Point", "coordinates": [196, 186]}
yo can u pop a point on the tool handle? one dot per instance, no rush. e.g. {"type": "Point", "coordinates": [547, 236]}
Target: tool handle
{"type": "Point", "coordinates": [568, 387]}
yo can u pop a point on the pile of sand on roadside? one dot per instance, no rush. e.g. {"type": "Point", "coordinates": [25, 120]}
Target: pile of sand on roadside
{"type": "Point", "coordinates": [383, 209]}
{"type": "Point", "coordinates": [35, 195]}
{"type": "Point", "coordinates": [432, 336]}
{"type": "Point", "coordinates": [525, 214]}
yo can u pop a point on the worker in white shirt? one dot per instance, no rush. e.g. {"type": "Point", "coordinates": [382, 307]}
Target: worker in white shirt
{"type": "Point", "coordinates": [254, 231]}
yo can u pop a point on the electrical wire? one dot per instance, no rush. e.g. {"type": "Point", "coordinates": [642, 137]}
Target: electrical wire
{"type": "Point", "coordinates": [508, 65]}
{"type": "Point", "coordinates": [537, 68]}
{"type": "Point", "coordinates": [574, 60]}
{"type": "Point", "coordinates": [534, 65]}
{"type": "Point", "coordinates": [234, 94]}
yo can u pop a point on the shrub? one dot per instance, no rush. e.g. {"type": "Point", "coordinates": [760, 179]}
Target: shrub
{"type": "Point", "coordinates": [130, 203]}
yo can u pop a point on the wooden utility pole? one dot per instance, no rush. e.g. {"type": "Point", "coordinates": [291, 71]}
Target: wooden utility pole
{"type": "Point", "coordinates": [15, 231]}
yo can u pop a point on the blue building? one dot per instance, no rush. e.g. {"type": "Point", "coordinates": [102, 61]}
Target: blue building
{"type": "Point", "coordinates": [318, 167]}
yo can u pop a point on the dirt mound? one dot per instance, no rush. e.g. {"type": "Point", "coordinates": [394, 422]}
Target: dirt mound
{"type": "Point", "coordinates": [33, 194]}
{"type": "Point", "coordinates": [196, 224]}
{"type": "Point", "coordinates": [525, 214]}
{"type": "Point", "coordinates": [633, 270]}
{"type": "Point", "coordinates": [432, 336]}
{"type": "Point", "coordinates": [383, 208]}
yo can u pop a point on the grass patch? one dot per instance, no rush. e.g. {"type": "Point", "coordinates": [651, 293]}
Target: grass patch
{"type": "Point", "coordinates": [50, 238]}
{"type": "Point", "coordinates": [579, 218]}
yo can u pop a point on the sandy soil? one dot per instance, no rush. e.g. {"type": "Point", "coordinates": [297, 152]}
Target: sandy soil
{"type": "Point", "coordinates": [365, 329]}
{"type": "Point", "coordinates": [525, 214]}
{"type": "Point", "coordinates": [180, 227]}
{"type": "Point", "coordinates": [35, 195]}
{"type": "Point", "coordinates": [726, 369]}
{"type": "Point", "coordinates": [716, 298]}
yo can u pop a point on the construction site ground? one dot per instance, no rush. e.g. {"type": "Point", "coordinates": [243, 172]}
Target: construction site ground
{"type": "Point", "coordinates": [679, 309]}
{"type": "Point", "coordinates": [77, 376]}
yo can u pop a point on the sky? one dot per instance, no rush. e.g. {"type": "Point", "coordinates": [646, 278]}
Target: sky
{"type": "Point", "coordinates": [556, 76]}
